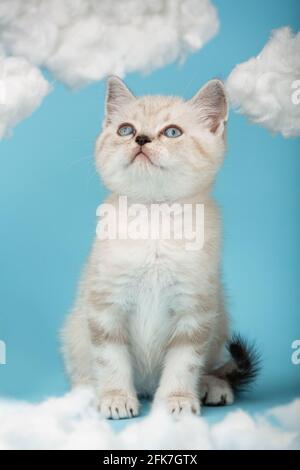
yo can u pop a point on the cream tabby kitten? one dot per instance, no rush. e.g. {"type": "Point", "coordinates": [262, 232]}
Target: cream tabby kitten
{"type": "Point", "coordinates": [149, 317]}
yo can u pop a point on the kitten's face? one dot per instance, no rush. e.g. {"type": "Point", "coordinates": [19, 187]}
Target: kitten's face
{"type": "Point", "coordinates": [161, 148]}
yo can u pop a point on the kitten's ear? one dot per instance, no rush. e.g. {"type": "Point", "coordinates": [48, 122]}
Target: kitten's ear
{"type": "Point", "coordinates": [117, 96]}
{"type": "Point", "coordinates": [212, 106]}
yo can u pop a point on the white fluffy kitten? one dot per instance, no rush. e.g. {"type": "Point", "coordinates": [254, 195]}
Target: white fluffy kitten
{"type": "Point", "coordinates": [149, 317]}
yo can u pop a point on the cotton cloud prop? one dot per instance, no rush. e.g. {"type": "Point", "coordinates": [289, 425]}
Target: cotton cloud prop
{"type": "Point", "coordinates": [70, 422]}
{"type": "Point", "coordinates": [81, 41]}
{"type": "Point", "coordinates": [266, 88]}
{"type": "Point", "coordinates": [22, 89]}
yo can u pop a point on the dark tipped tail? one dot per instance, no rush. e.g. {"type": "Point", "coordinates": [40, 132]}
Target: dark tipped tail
{"type": "Point", "coordinates": [245, 364]}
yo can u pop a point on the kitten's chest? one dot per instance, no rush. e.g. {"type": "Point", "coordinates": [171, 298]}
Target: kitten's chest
{"type": "Point", "coordinates": [150, 296]}
{"type": "Point", "coordinates": [146, 286]}
{"type": "Point", "coordinates": [153, 270]}
{"type": "Point", "coordinates": [146, 276]}
{"type": "Point", "coordinates": [147, 279]}
{"type": "Point", "coordinates": [149, 256]}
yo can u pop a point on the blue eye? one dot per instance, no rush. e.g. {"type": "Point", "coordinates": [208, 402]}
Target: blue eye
{"type": "Point", "coordinates": [126, 129]}
{"type": "Point", "coordinates": [172, 132]}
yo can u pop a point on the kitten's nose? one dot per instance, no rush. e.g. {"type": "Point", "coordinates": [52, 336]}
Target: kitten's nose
{"type": "Point", "coordinates": [142, 139]}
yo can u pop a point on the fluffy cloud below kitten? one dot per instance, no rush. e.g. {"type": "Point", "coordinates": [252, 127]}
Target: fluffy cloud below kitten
{"type": "Point", "coordinates": [70, 422]}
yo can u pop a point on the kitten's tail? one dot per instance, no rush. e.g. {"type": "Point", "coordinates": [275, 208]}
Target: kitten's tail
{"type": "Point", "coordinates": [243, 367]}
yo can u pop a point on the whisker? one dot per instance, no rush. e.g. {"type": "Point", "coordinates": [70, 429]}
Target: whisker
{"type": "Point", "coordinates": [85, 158]}
{"type": "Point", "coordinates": [90, 178]}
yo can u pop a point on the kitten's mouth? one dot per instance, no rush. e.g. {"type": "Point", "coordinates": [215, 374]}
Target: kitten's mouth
{"type": "Point", "coordinates": [141, 154]}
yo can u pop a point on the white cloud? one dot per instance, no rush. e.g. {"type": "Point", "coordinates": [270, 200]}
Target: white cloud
{"type": "Point", "coordinates": [81, 41]}
{"type": "Point", "coordinates": [22, 89]}
{"type": "Point", "coordinates": [262, 87]}
{"type": "Point", "coordinates": [287, 416]}
{"type": "Point", "coordinates": [70, 422]}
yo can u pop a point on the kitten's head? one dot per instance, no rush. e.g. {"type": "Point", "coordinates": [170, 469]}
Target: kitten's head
{"type": "Point", "coordinates": [160, 148]}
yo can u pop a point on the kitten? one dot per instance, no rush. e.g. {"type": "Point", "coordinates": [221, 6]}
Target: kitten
{"type": "Point", "coordinates": [150, 318]}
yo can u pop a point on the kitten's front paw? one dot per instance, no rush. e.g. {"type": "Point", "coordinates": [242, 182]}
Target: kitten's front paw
{"type": "Point", "coordinates": [181, 403]}
{"type": "Point", "coordinates": [118, 404]}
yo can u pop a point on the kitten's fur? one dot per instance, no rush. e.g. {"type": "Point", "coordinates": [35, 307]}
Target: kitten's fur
{"type": "Point", "coordinates": [149, 317]}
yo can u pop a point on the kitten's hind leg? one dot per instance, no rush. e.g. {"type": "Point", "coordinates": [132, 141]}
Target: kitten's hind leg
{"type": "Point", "coordinates": [215, 391]}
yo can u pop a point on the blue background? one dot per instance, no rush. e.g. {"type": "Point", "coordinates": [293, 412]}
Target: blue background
{"type": "Point", "coordinates": [49, 191]}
